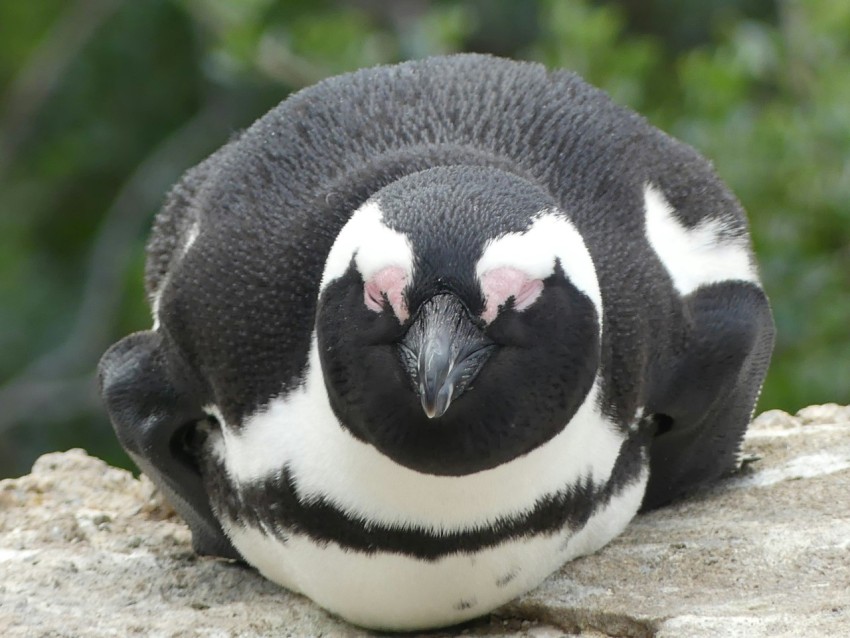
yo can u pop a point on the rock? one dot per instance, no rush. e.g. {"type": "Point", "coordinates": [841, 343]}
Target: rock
{"type": "Point", "coordinates": [88, 550]}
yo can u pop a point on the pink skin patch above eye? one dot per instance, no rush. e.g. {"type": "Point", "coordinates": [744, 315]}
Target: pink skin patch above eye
{"type": "Point", "coordinates": [500, 284]}
{"type": "Point", "coordinates": [389, 282]}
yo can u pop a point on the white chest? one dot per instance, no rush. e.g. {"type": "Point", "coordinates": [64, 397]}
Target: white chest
{"type": "Point", "coordinates": [397, 592]}
{"type": "Point", "coordinates": [374, 586]}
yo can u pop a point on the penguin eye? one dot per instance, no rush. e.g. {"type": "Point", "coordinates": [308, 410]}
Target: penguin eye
{"type": "Point", "coordinates": [374, 298]}
{"type": "Point", "coordinates": [508, 286]}
{"type": "Point", "coordinates": [386, 287]}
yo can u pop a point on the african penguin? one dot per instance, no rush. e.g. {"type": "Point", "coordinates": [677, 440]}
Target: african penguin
{"type": "Point", "coordinates": [425, 332]}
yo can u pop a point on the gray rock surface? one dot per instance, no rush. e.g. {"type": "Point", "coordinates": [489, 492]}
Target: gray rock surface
{"type": "Point", "coordinates": [88, 550]}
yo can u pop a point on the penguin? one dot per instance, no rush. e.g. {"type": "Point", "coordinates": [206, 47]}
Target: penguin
{"type": "Point", "coordinates": [423, 333]}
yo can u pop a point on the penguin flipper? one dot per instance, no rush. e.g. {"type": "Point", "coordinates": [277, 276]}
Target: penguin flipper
{"type": "Point", "coordinates": [151, 412]}
{"type": "Point", "coordinates": [704, 401]}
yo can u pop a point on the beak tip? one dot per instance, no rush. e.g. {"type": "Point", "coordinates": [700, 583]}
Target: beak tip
{"type": "Point", "coordinates": [436, 406]}
{"type": "Point", "coordinates": [432, 410]}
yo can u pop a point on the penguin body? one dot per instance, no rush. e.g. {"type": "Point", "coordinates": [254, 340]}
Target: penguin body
{"type": "Point", "coordinates": [425, 332]}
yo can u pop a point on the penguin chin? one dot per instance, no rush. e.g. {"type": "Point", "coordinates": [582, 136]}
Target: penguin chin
{"type": "Point", "coordinates": [485, 427]}
{"type": "Point", "coordinates": [461, 445]}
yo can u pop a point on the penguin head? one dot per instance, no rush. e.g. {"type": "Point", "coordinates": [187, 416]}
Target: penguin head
{"type": "Point", "coordinates": [459, 320]}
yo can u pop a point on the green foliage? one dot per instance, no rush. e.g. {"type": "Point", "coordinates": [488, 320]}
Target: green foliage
{"type": "Point", "coordinates": [103, 104]}
{"type": "Point", "coordinates": [768, 103]}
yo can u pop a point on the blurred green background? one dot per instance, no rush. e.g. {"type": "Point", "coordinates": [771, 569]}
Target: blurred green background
{"type": "Point", "coordinates": [103, 103]}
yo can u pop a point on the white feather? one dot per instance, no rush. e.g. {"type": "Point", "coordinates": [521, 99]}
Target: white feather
{"type": "Point", "coordinates": [697, 256]}
{"type": "Point", "coordinates": [370, 243]}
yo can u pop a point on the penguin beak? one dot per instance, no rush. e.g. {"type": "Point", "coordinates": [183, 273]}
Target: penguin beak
{"type": "Point", "coordinates": [442, 352]}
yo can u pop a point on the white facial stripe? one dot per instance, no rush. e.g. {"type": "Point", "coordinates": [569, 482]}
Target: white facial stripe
{"type": "Point", "coordinates": [551, 236]}
{"type": "Point", "coordinates": [697, 256]}
{"type": "Point", "coordinates": [301, 432]}
{"type": "Point", "coordinates": [371, 243]}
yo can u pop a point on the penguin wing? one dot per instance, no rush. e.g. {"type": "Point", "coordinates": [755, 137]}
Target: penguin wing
{"type": "Point", "coordinates": [703, 398]}
{"type": "Point", "coordinates": [153, 412]}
